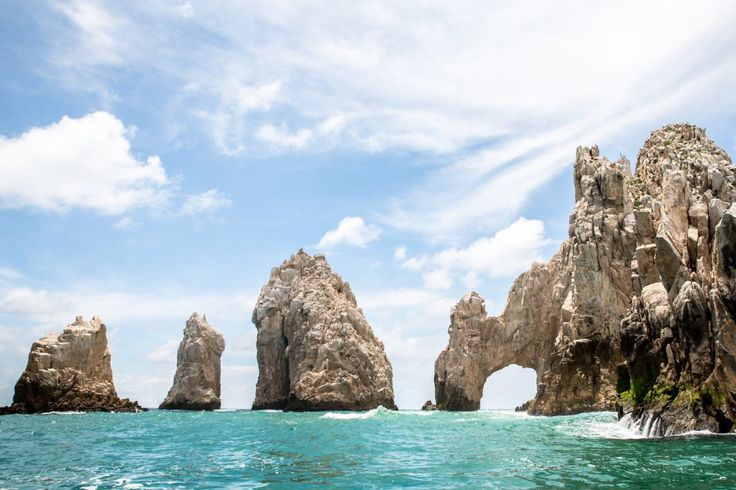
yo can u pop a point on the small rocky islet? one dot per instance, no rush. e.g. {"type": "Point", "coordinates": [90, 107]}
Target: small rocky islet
{"type": "Point", "coordinates": [315, 349]}
{"type": "Point", "coordinates": [70, 371]}
{"type": "Point", "coordinates": [197, 380]}
{"type": "Point", "coordinates": [635, 313]}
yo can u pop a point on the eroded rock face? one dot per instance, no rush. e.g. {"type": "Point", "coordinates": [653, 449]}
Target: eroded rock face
{"type": "Point", "coordinates": [70, 372]}
{"type": "Point", "coordinates": [637, 307]}
{"type": "Point", "coordinates": [562, 318]}
{"type": "Point", "coordinates": [316, 350]}
{"type": "Point", "coordinates": [197, 379]}
{"type": "Point", "coordinates": [679, 337]}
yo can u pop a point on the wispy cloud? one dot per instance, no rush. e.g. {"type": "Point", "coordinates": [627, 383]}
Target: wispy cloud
{"type": "Point", "coordinates": [164, 354]}
{"type": "Point", "coordinates": [501, 93]}
{"type": "Point", "coordinates": [205, 202]}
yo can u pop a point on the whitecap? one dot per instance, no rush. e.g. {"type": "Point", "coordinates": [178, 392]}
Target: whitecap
{"type": "Point", "coordinates": [352, 415]}
{"type": "Point", "coordinates": [419, 413]}
{"type": "Point", "coordinates": [63, 413]}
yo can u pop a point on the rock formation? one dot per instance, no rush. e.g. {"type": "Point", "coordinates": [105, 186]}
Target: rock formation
{"type": "Point", "coordinates": [679, 337]}
{"type": "Point", "coordinates": [429, 406]}
{"type": "Point", "coordinates": [197, 379]}
{"type": "Point", "coordinates": [636, 309]}
{"type": "Point", "coordinates": [70, 372]}
{"type": "Point", "coordinates": [316, 351]}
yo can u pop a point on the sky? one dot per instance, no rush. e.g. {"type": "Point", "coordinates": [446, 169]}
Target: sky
{"type": "Point", "coordinates": [158, 158]}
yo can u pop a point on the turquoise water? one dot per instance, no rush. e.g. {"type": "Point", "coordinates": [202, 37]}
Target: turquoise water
{"type": "Point", "coordinates": [377, 449]}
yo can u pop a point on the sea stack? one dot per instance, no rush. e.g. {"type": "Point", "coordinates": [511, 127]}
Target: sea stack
{"type": "Point", "coordinates": [70, 372]}
{"type": "Point", "coordinates": [316, 350]}
{"type": "Point", "coordinates": [635, 311]}
{"type": "Point", "coordinates": [197, 379]}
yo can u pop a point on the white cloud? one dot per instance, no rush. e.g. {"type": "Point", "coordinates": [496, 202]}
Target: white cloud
{"type": "Point", "coordinates": [412, 324]}
{"type": "Point", "coordinates": [415, 263]}
{"type": "Point", "coordinates": [400, 253]}
{"type": "Point", "coordinates": [228, 100]}
{"type": "Point", "coordinates": [124, 223]}
{"type": "Point", "coordinates": [99, 34]}
{"type": "Point", "coordinates": [79, 163]}
{"type": "Point", "coordinates": [352, 230]}
{"type": "Point", "coordinates": [281, 137]}
{"type": "Point", "coordinates": [508, 252]}
{"type": "Point", "coordinates": [6, 273]}
{"type": "Point", "coordinates": [437, 279]}
{"type": "Point", "coordinates": [33, 302]}
{"type": "Point", "coordinates": [60, 307]}
{"type": "Point", "coordinates": [164, 354]}
{"type": "Point", "coordinates": [507, 108]}
{"type": "Point", "coordinates": [184, 9]}
{"type": "Point", "coordinates": [205, 202]}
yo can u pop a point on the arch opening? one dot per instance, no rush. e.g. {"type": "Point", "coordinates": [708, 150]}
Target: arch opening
{"type": "Point", "coordinates": [509, 388]}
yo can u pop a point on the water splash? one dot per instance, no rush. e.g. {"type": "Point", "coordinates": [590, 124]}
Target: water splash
{"type": "Point", "coordinates": [352, 415]}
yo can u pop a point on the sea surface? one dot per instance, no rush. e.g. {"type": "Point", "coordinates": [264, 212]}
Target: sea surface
{"type": "Point", "coordinates": [375, 449]}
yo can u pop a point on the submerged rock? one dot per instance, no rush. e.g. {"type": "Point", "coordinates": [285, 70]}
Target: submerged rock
{"type": "Point", "coordinates": [635, 310]}
{"type": "Point", "coordinates": [70, 372]}
{"type": "Point", "coordinates": [197, 379]}
{"type": "Point", "coordinates": [315, 348]}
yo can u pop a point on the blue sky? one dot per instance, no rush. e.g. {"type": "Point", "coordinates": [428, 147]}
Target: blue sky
{"type": "Point", "coordinates": [158, 158]}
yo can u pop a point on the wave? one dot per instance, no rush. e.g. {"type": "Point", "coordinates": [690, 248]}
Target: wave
{"type": "Point", "coordinates": [64, 413]}
{"type": "Point", "coordinates": [417, 413]}
{"type": "Point", "coordinates": [354, 415]}
{"type": "Point", "coordinates": [648, 427]}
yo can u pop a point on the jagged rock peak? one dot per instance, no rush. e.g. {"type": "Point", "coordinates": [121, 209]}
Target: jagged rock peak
{"type": "Point", "coordinates": [683, 147]}
{"type": "Point", "coordinates": [197, 380]}
{"type": "Point", "coordinates": [637, 307]}
{"type": "Point", "coordinates": [70, 371]}
{"type": "Point", "coordinates": [316, 351]}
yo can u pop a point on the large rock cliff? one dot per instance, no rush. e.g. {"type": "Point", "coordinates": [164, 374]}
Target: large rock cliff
{"type": "Point", "coordinates": [316, 350]}
{"type": "Point", "coordinates": [70, 372]}
{"type": "Point", "coordinates": [197, 379]}
{"type": "Point", "coordinates": [636, 309]}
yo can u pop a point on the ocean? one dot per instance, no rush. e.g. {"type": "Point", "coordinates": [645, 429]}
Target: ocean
{"type": "Point", "coordinates": [375, 449]}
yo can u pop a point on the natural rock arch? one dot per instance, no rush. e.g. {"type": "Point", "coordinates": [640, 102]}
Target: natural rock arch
{"type": "Point", "coordinates": [636, 311]}
{"type": "Point", "coordinates": [562, 318]}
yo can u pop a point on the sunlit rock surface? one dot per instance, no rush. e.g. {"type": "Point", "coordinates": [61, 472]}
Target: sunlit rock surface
{"type": "Point", "coordinates": [197, 379]}
{"type": "Point", "coordinates": [70, 372]}
{"type": "Point", "coordinates": [316, 350]}
{"type": "Point", "coordinates": [636, 310]}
